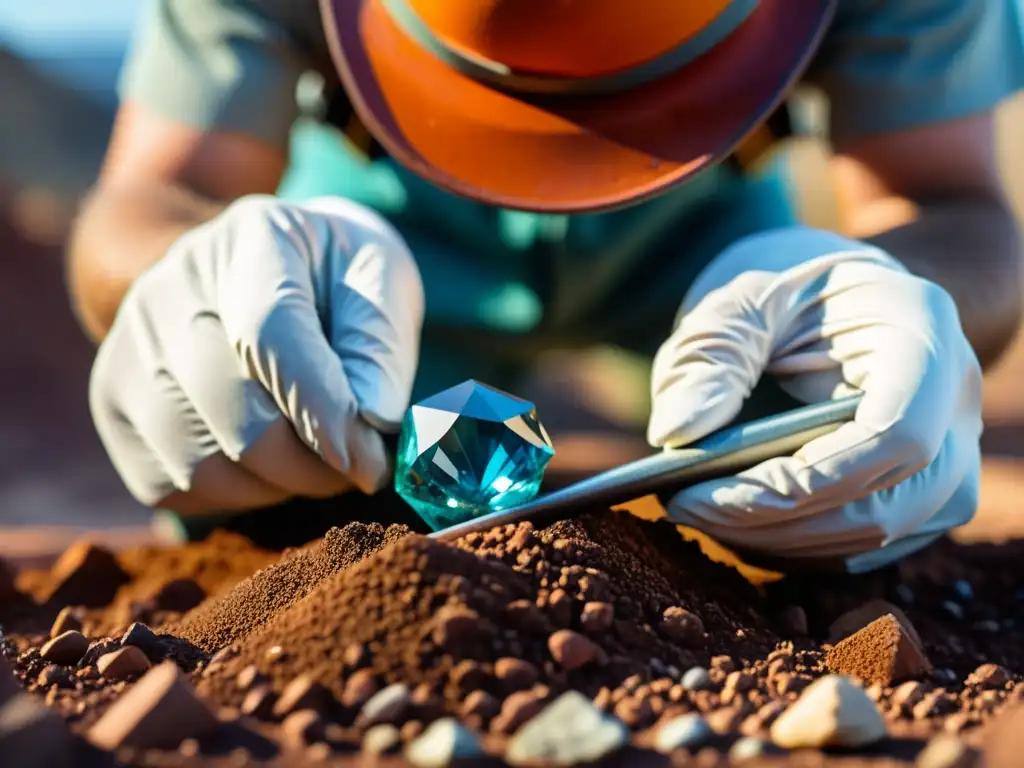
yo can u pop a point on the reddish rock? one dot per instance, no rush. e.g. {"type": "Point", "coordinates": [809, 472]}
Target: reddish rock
{"type": "Point", "coordinates": [127, 662]}
{"type": "Point", "coordinates": [86, 575]}
{"type": "Point", "coordinates": [159, 712]}
{"type": "Point", "coordinates": [66, 649]}
{"type": "Point", "coordinates": [882, 652]}
{"type": "Point", "coordinates": [515, 674]}
{"type": "Point", "coordinates": [68, 620]}
{"type": "Point", "coordinates": [683, 625]}
{"type": "Point", "coordinates": [989, 676]}
{"type": "Point", "coordinates": [573, 650]}
{"type": "Point", "coordinates": [597, 618]}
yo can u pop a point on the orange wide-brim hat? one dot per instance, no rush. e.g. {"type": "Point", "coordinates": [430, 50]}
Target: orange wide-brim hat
{"type": "Point", "coordinates": [567, 105]}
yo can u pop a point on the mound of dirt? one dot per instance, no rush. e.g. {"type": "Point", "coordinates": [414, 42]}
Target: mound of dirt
{"type": "Point", "coordinates": [251, 603]}
{"type": "Point", "coordinates": [374, 639]}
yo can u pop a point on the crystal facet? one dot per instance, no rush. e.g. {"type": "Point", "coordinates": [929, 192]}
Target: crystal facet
{"type": "Point", "coordinates": [468, 451]}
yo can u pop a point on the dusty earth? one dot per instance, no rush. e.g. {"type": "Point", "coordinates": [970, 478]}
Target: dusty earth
{"type": "Point", "coordinates": [374, 643]}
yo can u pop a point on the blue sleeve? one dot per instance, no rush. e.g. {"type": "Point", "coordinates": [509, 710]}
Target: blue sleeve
{"type": "Point", "coordinates": [893, 64]}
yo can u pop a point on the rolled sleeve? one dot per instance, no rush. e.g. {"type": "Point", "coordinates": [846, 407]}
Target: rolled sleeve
{"type": "Point", "coordinates": [904, 63]}
{"type": "Point", "coordinates": [217, 64]}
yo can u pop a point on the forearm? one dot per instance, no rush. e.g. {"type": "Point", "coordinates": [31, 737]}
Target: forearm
{"type": "Point", "coordinates": [971, 248]}
{"type": "Point", "coordinates": [120, 232]}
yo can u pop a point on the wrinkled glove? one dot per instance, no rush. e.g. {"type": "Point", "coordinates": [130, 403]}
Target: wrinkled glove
{"type": "Point", "coordinates": [826, 316]}
{"type": "Point", "coordinates": [261, 358]}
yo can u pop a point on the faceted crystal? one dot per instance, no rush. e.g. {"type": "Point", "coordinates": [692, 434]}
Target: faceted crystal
{"type": "Point", "coordinates": [468, 451]}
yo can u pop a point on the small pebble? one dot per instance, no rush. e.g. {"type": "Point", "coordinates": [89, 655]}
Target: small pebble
{"type": "Point", "coordinates": [140, 636]}
{"type": "Point", "coordinates": [224, 654]}
{"type": "Point", "coordinates": [989, 676]}
{"type": "Point", "coordinates": [736, 684]}
{"type": "Point", "coordinates": [301, 693]}
{"type": "Point", "coordinates": [723, 663]}
{"type": "Point", "coordinates": [748, 747]}
{"type": "Point", "coordinates": [480, 706]}
{"type": "Point", "coordinates": [696, 679]}
{"type": "Point", "coordinates": [934, 703]}
{"type": "Point", "coordinates": [123, 663]}
{"type": "Point", "coordinates": [69, 618]}
{"type": "Point", "coordinates": [274, 654]}
{"type": "Point", "coordinates": [249, 677]}
{"type": "Point", "coordinates": [66, 649]}
{"type": "Point", "coordinates": [907, 695]}
{"type": "Point", "coordinates": [381, 739]}
{"type": "Point", "coordinates": [158, 712]}
{"type": "Point", "coordinates": [597, 617]}
{"type": "Point", "coordinates": [945, 751]}
{"type": "Point", "coordinates": [573, 650]}
{"type": "Point", "coordinates": [832, 712]}
{"type": "Point", "coordinates": [634, 711]}
{"type": "Point", "coordinates": [516, 710]}
{"type": "Point", "coordinates": [386, 706]}
{"type": "Point", "coordinates": [515, 674]}
{"type": "Point", "coordinates": [358, 688]}
{"type": "Point", "coordinates": [315, 753]}
{"type": "Point", "coordinates": [560, 608]}
{"type": "Point", "coordinates": [569, 730]}
{"type": "Point", "coordinates": [259, 702]}
{"type": "Point", "coordinates": [964, 590]}
{"type": "Point", "coordinates": [688, 731]}
{"type": "Point", "coordinates": [355, 656]}
{"type": "Point", "coordinates": [54, 675]}
{"type": "Point", "coordinates": [442, 743]}
{"type": "Point", "coordinates": [683, 625]}
{"type": "Point", "coordinates": [303, 727]}
{"type": "Point", "coordinates": [725, 719]}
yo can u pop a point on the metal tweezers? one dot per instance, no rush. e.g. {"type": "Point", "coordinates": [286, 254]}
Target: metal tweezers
{"type": "Point", "coordinates": [720, 454]}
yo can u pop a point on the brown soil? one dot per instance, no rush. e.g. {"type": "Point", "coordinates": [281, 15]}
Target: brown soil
{"type": "Point", "coordinates": [288, 648]}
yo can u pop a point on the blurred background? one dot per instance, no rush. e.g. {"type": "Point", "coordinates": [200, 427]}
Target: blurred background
{"type": "Point", "coordinates": [59, 63]}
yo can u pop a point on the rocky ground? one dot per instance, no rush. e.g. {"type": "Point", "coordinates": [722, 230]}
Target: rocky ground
{"type": "Point", "coordinates": [604, 640]}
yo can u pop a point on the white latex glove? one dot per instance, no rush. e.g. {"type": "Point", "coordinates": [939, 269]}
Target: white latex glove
{"type": "Point", "coordinates": [826, 316]}
{"type": "Point", "coordinates": [259, 358]}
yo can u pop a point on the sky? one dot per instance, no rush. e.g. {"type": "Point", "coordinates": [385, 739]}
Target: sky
{"type": "Point", "coordinates": [44, 27]}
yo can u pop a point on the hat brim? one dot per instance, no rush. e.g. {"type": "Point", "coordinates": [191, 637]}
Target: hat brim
{"type": "Point", "coordinates": [581, 153]}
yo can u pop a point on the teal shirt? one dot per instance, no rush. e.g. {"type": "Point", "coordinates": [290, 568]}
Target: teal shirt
{"type": "Point", "coordinates": [500, 285]}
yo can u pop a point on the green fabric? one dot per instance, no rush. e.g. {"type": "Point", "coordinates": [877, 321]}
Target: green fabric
{"type": "Point", "coordinates": [502, 284]}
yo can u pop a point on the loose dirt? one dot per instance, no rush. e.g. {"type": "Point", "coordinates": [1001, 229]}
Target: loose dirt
{"type": "Point", "coordinates": [372, 638]}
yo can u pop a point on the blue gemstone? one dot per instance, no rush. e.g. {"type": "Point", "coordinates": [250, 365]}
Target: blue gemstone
{"type": "Point", "coordinates": [468, 451]}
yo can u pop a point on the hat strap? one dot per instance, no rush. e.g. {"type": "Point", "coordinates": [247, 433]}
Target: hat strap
{"type": "Point", "coordinates": [505, 78]}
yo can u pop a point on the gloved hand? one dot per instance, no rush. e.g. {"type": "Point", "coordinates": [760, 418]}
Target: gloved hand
{"type": "Point", "coordinates": [261, 357]}
{"type": "Point", "coordinates": [826, 316]}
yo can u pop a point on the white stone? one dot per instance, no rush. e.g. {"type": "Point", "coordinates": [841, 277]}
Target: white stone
{"type": "Point", "coordinates": [747, 748]}
{"type": "Point", "coordinates": [832, 712]}
{"type": "Point", "coordinates": [443, 742]}
{"type": "Point", "coordinates": [696, 679]}
{"type": "Point", "coordinates": [568, 731]}
{"type": "Point", "coordinates": [381, 739]}
{"type": "Point", "coordinates": [688, 731]}
{"type": "Point", "coordinates": [386, 705]}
